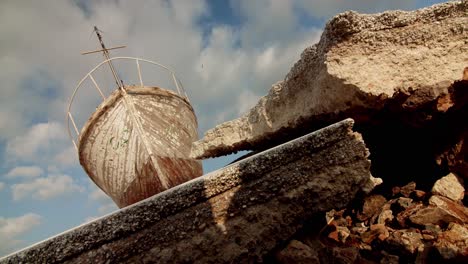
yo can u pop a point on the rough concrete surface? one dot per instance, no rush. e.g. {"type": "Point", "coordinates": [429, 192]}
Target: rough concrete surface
{"type": "Point", "coordinates": [237, 214]}
{"type": "Point", "coordinates": [362, 63]}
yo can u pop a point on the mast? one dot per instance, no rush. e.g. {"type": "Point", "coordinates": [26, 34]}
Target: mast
{"type": "Point", "coordinates": [105, 52]}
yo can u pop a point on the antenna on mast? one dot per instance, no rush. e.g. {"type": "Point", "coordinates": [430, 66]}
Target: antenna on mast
{"type": "Point", "coordinates": [105, 52]}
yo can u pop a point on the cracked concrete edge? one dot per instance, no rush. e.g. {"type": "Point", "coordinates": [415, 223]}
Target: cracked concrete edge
{"type": "Point", "coordinates": [137, 218]}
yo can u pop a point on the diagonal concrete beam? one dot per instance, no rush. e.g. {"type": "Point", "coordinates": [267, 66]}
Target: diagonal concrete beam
{"type": "Point", "coordinates": [236, 214]}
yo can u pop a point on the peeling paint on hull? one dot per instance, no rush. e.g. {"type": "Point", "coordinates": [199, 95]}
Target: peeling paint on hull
{"type": "Point", "coordinates": [137, 143]}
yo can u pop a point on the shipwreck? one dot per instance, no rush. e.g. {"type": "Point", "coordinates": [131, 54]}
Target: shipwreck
{"type": "Point", "coordinates": [137, 142]}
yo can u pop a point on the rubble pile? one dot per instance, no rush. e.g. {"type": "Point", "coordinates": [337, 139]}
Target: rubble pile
{"type": "Point", "coordinates": [410, 226]}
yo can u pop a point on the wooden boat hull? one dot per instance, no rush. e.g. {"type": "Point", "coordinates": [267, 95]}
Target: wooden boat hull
{"type": "Point", "coordinates": [137, 143]}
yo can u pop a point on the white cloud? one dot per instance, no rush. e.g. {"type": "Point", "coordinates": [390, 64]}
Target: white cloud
{"type": "Point", "coordinates": [44, 143]}
{"type": "Point", "coordinates": [98, 195]}
{"type": "Point", "coordinates": [40, 139]}
{"type": "Point", "coordinates": [276, 24]}
{"type": "Point", "coordinates": [45, 188]}
{"type": "Point", "coordinates": [68, 157]}
{"type": "Point", "coordinates": [2, 185]}
{"type": "Point", "coordinates": [245, 101]}
{"type": "Point", "coordinates": [12, 228]}
{"type": "Point", "coordinates": [24, 172]}
{"type": "Point", "coordinates": [327, 8]}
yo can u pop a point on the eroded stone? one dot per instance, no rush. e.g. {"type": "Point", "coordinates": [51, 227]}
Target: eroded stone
{"type": "Point", "coordinates": [449, 186]}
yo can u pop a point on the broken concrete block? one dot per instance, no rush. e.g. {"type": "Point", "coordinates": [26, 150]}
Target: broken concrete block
{"type": "Point", "coordinates": [237, 214]}
{"type": "Point", "coordinates": [398, 61]}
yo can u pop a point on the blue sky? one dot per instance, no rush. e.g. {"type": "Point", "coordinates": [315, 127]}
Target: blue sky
{"type": "Point", "coordinates": [226, 53]}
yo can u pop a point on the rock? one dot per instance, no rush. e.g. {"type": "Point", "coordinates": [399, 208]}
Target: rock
{"type": "Point", "coordinates": [432, 230]}
{"type": "Point", "coordinates": [428, 237]}
{"type": "Point", "coordinates": [418, 195]}
{"type": "Point", "coordinates": [359, 229]}
{"type": "Point", "coordinates": [408, 189]}
{"type": "Point", "coordinates": [335, 217]}
{"type": "Point", "coordinates": [405, 242]}
{"type": "Point", "coordinates": [441, 211]}
{"type": "Point", "coordinates": [343, 233]}
{"type": "Point", "coordinates": [371, 184]}
{"type": "Point", "coordinates": [372, 205]}
{"type": "Point", "coordinates": [453, 243]}
{"type": "Point", "coordinates": [432, 215]}
{"type": "Point", "coordinates": [404, 202]}
{"type": "Point", "coordinates": [386, 216]}
{"type": "Point", "coordinates": [402, 217]}
{"type": "Point", "coordinates": [290, 183]}
{"type": "Point", "coordinates": [297, 252]}
{"type": "Point", "coordinates": [362, 64]}
{"type": "Point", "coordinates": [340, 234]}
{"type": "Point", "coordinates": [376, 231]}
{"type": "Point", "coordinates": [449, 186]}
{"type": "Point", "coordinates": [451, 208]}
{"type": "Point", "coordinates": [383, 213]}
